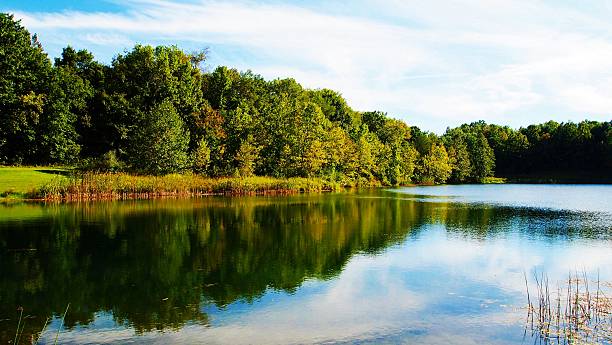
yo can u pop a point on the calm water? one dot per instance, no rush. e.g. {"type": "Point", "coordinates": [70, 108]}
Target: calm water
{"type": "Point", "coordinates": [437, 265]}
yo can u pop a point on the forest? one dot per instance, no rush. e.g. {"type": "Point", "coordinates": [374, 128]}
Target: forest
{"type": "Point", "coordinates": [156, 111]}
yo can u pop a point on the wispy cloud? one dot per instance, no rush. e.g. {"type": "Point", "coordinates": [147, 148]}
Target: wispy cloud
{"type": "Point", "coordinates": [433, 64]}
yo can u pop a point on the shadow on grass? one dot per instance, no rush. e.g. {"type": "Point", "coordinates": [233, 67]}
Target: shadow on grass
{"type": "Point", "coordinates": [54, 172]}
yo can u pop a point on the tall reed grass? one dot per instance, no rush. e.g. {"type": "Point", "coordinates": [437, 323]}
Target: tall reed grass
{"type": "Point", "coordinates": [90, 186]}
{"type": "Point", "coordinates": [577, 311]}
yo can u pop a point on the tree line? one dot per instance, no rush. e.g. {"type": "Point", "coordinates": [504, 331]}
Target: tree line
{"type": "Point", "coordinates": [154, 110]}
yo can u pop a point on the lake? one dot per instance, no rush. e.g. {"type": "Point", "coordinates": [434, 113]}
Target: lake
{"type": "Point", "coordinates": [433, 265]}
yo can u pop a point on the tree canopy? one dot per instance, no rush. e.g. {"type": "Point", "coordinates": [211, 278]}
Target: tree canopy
{"type": "Point", "coordinates": [154, 110]}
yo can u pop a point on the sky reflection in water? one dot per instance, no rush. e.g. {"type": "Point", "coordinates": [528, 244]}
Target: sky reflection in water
{"type": "Point", "coordinates": [360, 267]}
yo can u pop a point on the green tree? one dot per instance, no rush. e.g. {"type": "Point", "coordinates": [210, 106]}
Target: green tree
{"type": "Point", "coordinates": [246, 157]}
{"type": "Point", "coordinates": [24, 79]}
{"type": "Point", "coordinates": [220, 88]}
{"type": "Point", "coordinates": [400, 155]}
{"type": "Point", "coordinates": [211, 129]}
{"type": "Point", "coordinates": [67, 109]}
{"type": "Point", "coordinates": [334, 107]}
{"type": "Point", "coordinates": [459, 155]}
{"type": "Point", "coordinates": [374, 120]}
{"type": "Point", "coordinates": [408, 156]}
{"type": "Point", "coordinates": [228, 122]}
{"type": "Point", "coordinates": [435, 166]}
{"type": "Point", "coordinates": [160, 144]}
{"type": "Point", "coordinates": [140, 80]}
{"type": "Point", "coordinates": [342, 156]}
{"type": "Point", "coordinates": [275, 130]}
{"type": "Point", "coordinates": [201, 157]}
{"type": "Point", "coordinates": [369, 149]}
{"type": "Point", "coordinates": [482, 157]}
{"type": "Point", "coordinates": [84, 89]}
{"type": "Point", "coordinates": [310, 127]}
{"type": "Point", "coordinates": [509, 147]}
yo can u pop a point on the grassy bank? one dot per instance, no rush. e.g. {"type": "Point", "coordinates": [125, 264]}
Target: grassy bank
{"type": "Point", "coordinates": [19, 182]}
{"type": "Point", "coordinates": [494, 180]}
{"type": "Point", "coordinates": [46, 183]}
{"type": "Point", "coordinates": [96, 186]}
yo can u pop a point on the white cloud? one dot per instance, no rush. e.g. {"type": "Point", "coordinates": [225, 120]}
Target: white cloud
{"type": "Point", "coordinates": [107, 39]}
{"type": "Point", "coordinates": [434, 64]}
{"type": "Point", "coordinates": [379, 296]}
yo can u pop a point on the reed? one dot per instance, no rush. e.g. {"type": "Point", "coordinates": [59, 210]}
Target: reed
{"type": "Point", "coordinates": [59, 329]}
{"type": "Point", "coordinates": [18, 333]}
{"type": "Point", "coordinates": [91, 186]}
{"type": "Point", "coordinates": [572, 313]}
{"type": "Point", "coordinates": [42, 331]}
{"type": "Point", "coordinates": [35, 338]}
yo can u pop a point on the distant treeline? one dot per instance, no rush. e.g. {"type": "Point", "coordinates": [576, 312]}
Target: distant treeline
{"type": "Point", "coordinates": [154, 111]}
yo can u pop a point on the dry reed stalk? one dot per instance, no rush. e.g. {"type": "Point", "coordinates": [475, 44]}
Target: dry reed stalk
{"type": "Point", "coordinates": [586, 316]}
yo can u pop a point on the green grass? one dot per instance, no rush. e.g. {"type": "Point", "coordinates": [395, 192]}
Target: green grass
{"type": "Point", "coordinates": [59, 183]}
{"type": "Point", "coordinates": [494, 180]}
{"type": "Point", "coordinates": [17, 182]}
{"type": "Point", "coordinates": [95, 186]}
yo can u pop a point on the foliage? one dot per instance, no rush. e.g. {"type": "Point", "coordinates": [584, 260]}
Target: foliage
{"type": "Point", "coordinates": [459, 157]}
{"type": "Point", "coordinates": [155, 109]}
{"type": "Point", "coordinates": [159, 145]}
{"type": "Point", "coordinates": [481, 157]}
{"type": "Point", "coordinates": [435, 166]}
{"type": "Point", "coordinates": [24, 84]}
{"type": "Point", "coordinates": [108, 162]}
{"type": "Point", "coordinates": [201, 157]}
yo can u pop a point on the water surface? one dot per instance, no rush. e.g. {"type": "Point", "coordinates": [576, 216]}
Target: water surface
{"type": "Point", "coordinates": [438, 265]}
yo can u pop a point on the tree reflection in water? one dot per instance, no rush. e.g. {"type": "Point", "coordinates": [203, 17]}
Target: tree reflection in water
{"type": "Point", "coordinates": [153, 264]}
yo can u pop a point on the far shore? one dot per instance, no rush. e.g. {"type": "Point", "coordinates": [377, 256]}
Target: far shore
{"type": "Point", "coordinates": [62, 184]}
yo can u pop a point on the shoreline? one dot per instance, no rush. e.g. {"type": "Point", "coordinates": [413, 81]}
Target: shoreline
{"type": "Point", "coordinates": [69, 187]}
{"type": "Point", "coordinates": [120, 186]}
{"type": "Point", "coordinates": [163, 195]}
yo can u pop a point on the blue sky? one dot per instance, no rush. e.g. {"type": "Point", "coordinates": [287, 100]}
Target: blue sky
{"type": "Point", "coordinates": [433, 64]}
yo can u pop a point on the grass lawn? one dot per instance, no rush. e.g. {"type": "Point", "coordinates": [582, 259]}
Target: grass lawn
{"type": "Point", "coordinates": [17, 181]}
{"type": "Point", "coordinates": [53, 183]}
